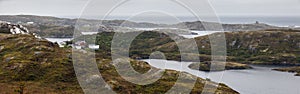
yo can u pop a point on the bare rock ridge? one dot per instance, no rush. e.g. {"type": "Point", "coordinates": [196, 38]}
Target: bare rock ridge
{"type": "Point", "coordinates": [7, 27]}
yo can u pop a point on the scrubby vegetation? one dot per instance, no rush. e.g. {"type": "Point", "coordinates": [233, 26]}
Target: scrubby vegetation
{"type": "Point", "coordinates": [141, 47]}
{"type": "Point", "coordinates": [269, 47]}
{"type": "Point", "coordinates": [32, 65]}
{"type": "Point", "coordinates": [161, 86]}
{"type": "Point", "coordinates": [207, 66]}
{"type": "Point", "coordinates": [52, 30]}
{"type": "Point", "coordinates": [274, 47]}
{"type": "Point", "coordinates": [41, 65]}
{"type": "Point", "coordinates": [265, 47]}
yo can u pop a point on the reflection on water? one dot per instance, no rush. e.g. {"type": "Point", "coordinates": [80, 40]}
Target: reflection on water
{"type": "Point", "coordinates": [260, 80]}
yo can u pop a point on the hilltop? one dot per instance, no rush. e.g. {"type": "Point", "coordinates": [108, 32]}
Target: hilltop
{"type": "Point", "coordinates": [35, 65]}
{"type": "Point", "coordinates": [268, 47]}
{"type": "Point", "coordinates": [279, 47]}
{"type": "Point", "coordinates": [264, 47]}
{"type": "Point", "coordinates": [47, 26]}
{"type": "Point", "coordinates": [200, 26]}
{"type": "Point", "coordinates": [35, 62]}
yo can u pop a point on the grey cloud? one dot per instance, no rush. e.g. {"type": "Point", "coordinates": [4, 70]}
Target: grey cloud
{"type": "Point", "coordinates": [96, 7]}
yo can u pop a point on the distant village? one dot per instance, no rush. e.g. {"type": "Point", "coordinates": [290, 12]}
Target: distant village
{"type": "Point", "coordinates": [77, 45]}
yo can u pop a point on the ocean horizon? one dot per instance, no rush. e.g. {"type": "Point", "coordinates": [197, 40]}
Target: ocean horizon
{"type": "Point", "coordinates": [283, 21]}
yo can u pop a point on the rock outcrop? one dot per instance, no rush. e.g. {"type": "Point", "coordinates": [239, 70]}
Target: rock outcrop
{"type": "Point", "coordinates": [7, 27]}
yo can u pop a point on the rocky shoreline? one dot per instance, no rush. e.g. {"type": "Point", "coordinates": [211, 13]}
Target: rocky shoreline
{"type": "Point", "coordinates": [290, 70]}
{"type": "Point", "coordinates": [220, 66]}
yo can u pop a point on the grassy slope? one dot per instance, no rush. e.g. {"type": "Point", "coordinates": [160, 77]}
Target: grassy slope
{"type": "Point", "coordinates": [51, 30]}
{"type": "Point", "coordinates": [43, 67]}
{"type": "Point", "coordinates": [269, 47]}
{"type": "Point", "coordinates": [40, 64]}
{"type": "Point", "coordinates": [265, 47]}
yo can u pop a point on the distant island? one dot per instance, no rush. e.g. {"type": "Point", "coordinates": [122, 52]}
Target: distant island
{"type": "Point", "coordinates": [47, 26]}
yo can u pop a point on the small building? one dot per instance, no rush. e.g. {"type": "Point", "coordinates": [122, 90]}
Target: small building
{"type": "Point", "coordinates": [83, 44]}
{"type": "Point", "coordinates": [80, 44]}
{"type": "Point", "coordinates": [89, 33]}
{"type": "Point", "coordinates": [30, 23]}
{"type": "Point", "coordinates": [257, 22]}
{"type": "Point", "coordinates": [93, 46]}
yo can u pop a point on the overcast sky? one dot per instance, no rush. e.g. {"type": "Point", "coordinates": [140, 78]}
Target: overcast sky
{"type": "Point", "coordinates": [73, 8]}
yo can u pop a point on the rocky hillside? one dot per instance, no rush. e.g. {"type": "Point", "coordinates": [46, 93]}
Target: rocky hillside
{"type": "Point", "coordinates": [44, 20]}
{"type": "Point", "coordinates": [265, 47]}
{"type": "Point", "coordinates": [48, 20]}
{"type": "Point", "coordinates": [198, 25]}
{"type": "Point", "coordinates": [37, 64]}
{"type": "Point", "coordinates": [9, 28]}
{"type": "Point", "coordinates": [47, 26]}
{"type": "Point", "coordinates": [33, 65]}
{"type": "Point", "coordinates": [279, 47]}
{"type": "Point", "coordinates": [271, 47]}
